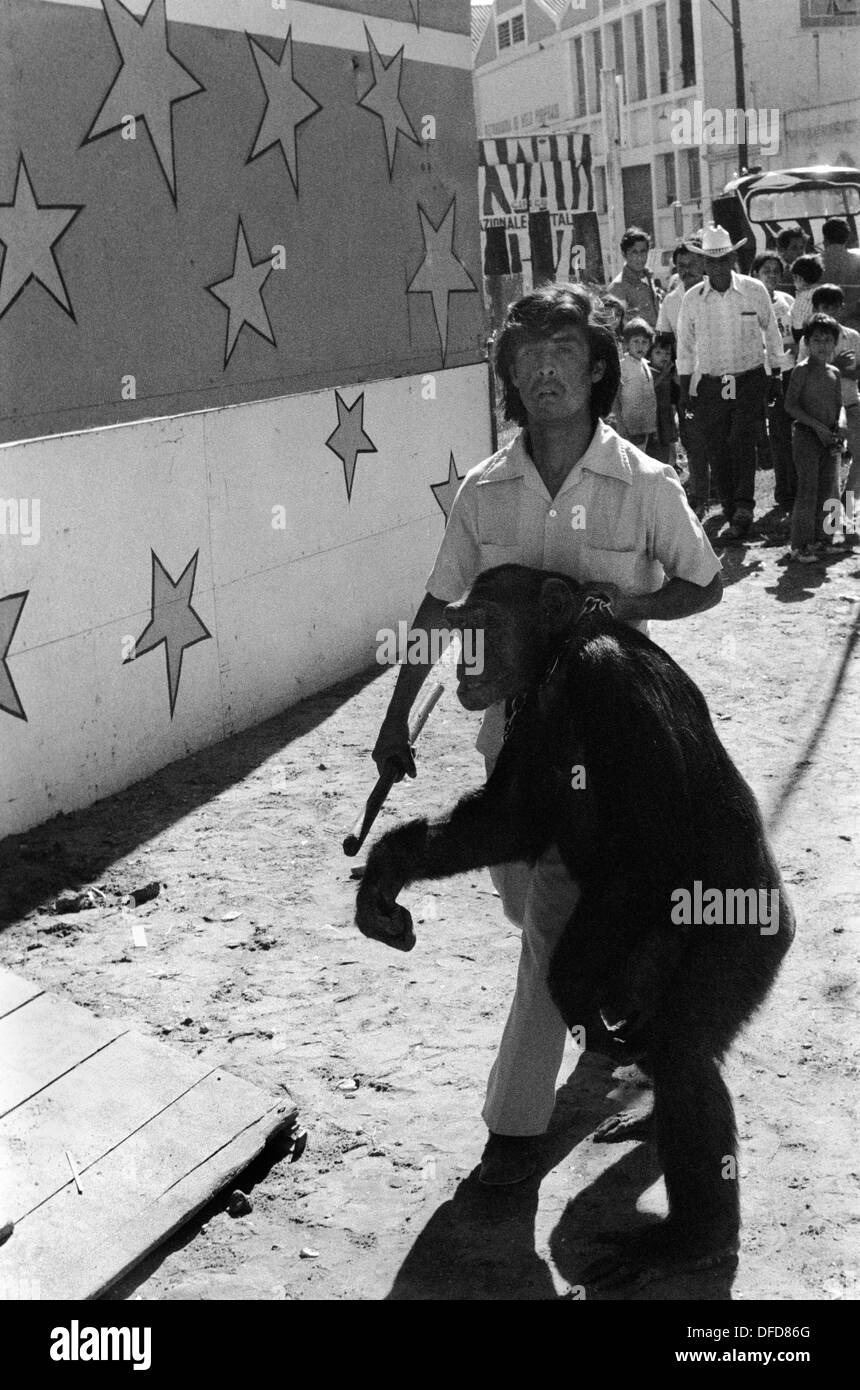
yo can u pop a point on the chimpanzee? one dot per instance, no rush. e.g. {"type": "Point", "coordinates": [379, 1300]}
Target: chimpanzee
{"type": "Point", "coordinates": [610, 753]}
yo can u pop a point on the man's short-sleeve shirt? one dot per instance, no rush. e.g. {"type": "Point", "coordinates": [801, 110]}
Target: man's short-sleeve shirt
{"type": "Point", "coordinates": [619, 517]}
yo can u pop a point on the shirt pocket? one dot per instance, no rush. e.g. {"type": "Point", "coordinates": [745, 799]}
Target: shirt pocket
{"type": "Point", "coordinates": [492, 555]}
{"type": "Point", "coordinates": [610, 565]}
{"type": "Point", "coordinates": [499, 514]}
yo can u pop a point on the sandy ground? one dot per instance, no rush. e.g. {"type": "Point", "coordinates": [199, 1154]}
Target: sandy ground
{"type": "Point", "coordinates": [252, 963]}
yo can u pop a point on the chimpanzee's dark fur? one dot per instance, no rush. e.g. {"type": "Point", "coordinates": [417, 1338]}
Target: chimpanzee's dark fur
{"type": "Point", "coordinates": [663, 806]}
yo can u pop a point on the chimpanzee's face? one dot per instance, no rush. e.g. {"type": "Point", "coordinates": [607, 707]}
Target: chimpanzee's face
{"type": "Point", "coordinates": [505, 637]}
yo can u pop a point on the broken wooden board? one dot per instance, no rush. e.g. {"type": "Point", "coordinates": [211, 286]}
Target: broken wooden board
{"type": "Point", "coordinates": [153, 1136]}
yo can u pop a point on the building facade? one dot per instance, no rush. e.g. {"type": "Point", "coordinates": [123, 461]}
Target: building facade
{"type": "Point", "coordinates": [537, 66]}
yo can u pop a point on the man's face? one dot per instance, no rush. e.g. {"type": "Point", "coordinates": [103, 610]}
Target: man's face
{"type": "Point", "coordinates": [553, 375]}
{"type": "Point", "coordinates": [636, 256]}
{"type": "Point", "coordinates": [770, 274]}
{"type": "Point", "coordinates": [822, 346]}
{"type": "Point", "coordinates": [795, 247]}
{"type": "Point", "coordinates": [689, 268]}
{"type": "Point", "coordinates": [719, 270]}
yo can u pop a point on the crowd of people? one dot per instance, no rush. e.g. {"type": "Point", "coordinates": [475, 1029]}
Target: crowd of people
{"type": "Point", "coordinates": [726, 372]}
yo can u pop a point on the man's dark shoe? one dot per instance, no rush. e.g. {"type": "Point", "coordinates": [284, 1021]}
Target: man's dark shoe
{"type": "Point", "coordinates": [508, 1159]}
{"type": "Point", "coordinates": [741, 523]}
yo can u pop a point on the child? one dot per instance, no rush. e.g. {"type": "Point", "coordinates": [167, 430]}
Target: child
{"type": "Point", "coordinates": [636, 403]}
{"type": "Point", "coordinates": [830, 299]}
{"type": "Point", "coordinates": [634, 286]}
{"type": "Point", "coordinates": [806, 273]}
{"type": "Point", "coordinates": [667, 393]}
{"type": "Point", "coordinates": [814, 401]}
{"type": "Point", "coordinates": [614, 312]}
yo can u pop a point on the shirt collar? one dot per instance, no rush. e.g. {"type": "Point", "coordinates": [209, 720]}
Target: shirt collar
{"type": "Point", "coordinates": [606, 454]}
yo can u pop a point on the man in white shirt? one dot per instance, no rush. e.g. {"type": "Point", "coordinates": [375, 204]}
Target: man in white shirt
{"type": "Point", "coordinates": [727, 331]}
{"type": "Point", "coordinates": [565, 494]}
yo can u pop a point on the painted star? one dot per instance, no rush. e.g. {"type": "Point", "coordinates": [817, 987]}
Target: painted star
{"type": "Point", "coordinates": [29, 231]}
{"type": "Point", "coordinates": [383, 99]}
{"type": "Point", "coordinates": [242, 294]}
{"type": "Point", "coordinates": [10, 612]}
{"type": "Point", "coordinates": [447, 491]}
{"type": "Point", "coordinates": [288, 106]}
{"type": "Point", "coordinates": [173, 622]}
{"type": "Point", "coordinates": [148, 83]}
{"type": "Point", "coordinates": [349, 439]}
{"type": "Point", "coordinates": [440, 273]}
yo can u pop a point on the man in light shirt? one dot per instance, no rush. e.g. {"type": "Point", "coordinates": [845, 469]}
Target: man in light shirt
{"type": "Point", "coordinates": [567, 494]}
{"type": "Point", "coordinates": [727, 331]}
{"type": "Point", "coordinates": [688, 265]}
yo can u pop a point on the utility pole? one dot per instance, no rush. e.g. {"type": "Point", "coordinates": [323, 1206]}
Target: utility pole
{"type": "Point", "coordinates": [610, 97]}
{"type": "Point", "coordinates": [740, 89]}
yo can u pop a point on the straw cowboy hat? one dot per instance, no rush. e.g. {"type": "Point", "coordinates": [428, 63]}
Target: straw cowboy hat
{"type": "Point", "coordinates": [715, 242]}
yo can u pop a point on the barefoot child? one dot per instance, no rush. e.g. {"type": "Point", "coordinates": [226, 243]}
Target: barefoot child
{"type": "Point", "coordinates": [814, 401]}
{"type": "Point", "coordinates": [636, 403]}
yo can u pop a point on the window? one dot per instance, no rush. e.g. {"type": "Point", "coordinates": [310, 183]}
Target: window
{"type": "Point", "coordinates": [618, 47]}
{"type": "Point", "coordinates": [669, 182]}
{"type": "Point", "coordinates": [693, 172]}
{"type": "Point", "coordinates": [579, 64]}
{"type": "Point", "coordinates": [511, 31]}
{"type": "Point", "coordinates": [598, 64]}
{"type": "Point", "coordinates": [662, 47]}
{"type": "Point", "coordinates": [640, 89]}
{"type": "Point", "coordinates": [688, 56]}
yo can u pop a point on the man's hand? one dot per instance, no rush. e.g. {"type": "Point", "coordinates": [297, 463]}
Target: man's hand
{"type": "Point", "coordinates": [826, 435]}
{"type": "Point", "coordinates": [845, 361]}
{"type": "Point", "coordinates": [393, 745]}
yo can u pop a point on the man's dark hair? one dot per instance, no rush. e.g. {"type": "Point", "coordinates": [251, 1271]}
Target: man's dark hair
{"type": "Point", "coordinates": [836, 231]}
{"type": "Point", "coordinates": [631, 236]}
{"type": "Point", "coordinates": [830, 296]}
{"type": "Point", "coordinates": [689, 245]}
{"type": "Point", "coordinates": [809, 269]}
{"type": "Point", "coordinates": [788, 233]}
{"type": "Point", "coordinates": [762, 259]}
{"type": "Point", "coordinates": [538, 315]}
{"type": "Point", "coordinates": [821, 323]}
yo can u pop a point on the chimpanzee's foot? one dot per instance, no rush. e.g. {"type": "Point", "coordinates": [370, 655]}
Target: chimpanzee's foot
{"type": "Point", "coordinates": [658, 1253]}
{"type": "Point", "coordinates": [635, 1121]}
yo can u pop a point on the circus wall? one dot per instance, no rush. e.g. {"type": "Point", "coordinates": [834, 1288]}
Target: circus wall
{"type": "Point", "coordinates": [241, 363]}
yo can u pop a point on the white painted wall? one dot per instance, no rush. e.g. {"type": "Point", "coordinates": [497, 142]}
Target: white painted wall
{"type": "Point", "coordinates": [290, 611]}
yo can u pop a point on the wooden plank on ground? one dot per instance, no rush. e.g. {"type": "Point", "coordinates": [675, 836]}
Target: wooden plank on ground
{"type": "Point", "coordinates": [43, 1040]}
{"type": "Point", "coordinates": [15, 991]}
{"type": "Point", "coordinates": [88, 1112]}
{"type": "Point", "coordinates": [75, 1245]}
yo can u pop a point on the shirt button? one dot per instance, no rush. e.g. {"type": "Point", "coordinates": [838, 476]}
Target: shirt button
{"type": "Point", "coordinates": [553, 512]}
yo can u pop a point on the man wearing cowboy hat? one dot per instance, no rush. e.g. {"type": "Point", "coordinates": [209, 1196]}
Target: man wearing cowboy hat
{"type": "Point", "coordinates": [727, 332]}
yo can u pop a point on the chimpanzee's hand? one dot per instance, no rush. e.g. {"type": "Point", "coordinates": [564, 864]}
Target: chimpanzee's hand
{"type": "Point", "coordinates": [598, 597]}
{"type": "Point", "coordinates": [377, 912]}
